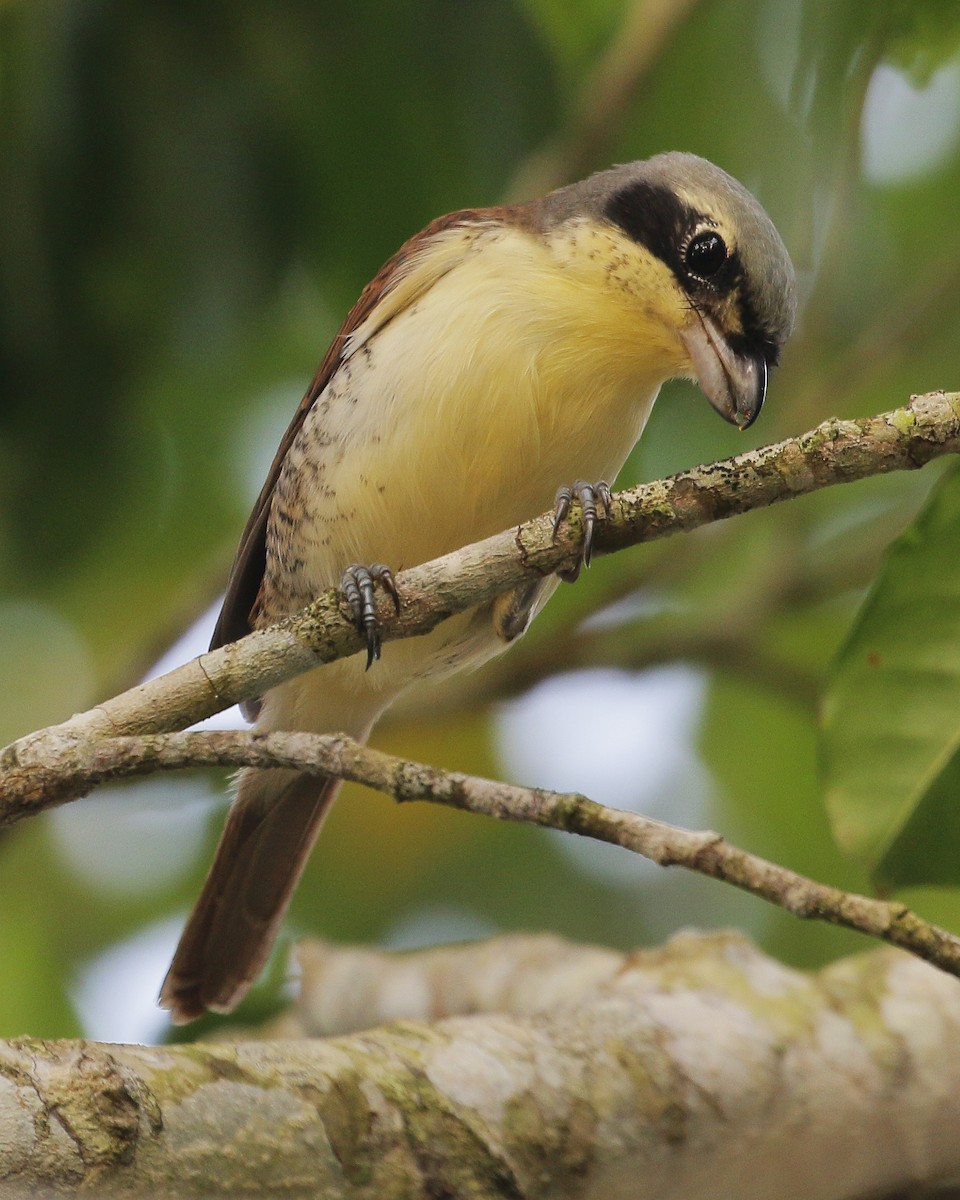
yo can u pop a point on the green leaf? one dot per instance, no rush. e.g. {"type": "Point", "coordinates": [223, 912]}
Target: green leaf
{"type": "Point", "coordinates": [891, 713]}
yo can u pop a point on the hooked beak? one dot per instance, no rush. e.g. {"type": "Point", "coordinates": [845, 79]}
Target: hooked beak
{"type": "Point", "coordinates": [734, 384]}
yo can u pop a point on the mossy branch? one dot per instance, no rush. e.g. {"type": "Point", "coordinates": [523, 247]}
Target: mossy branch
{"type": "Point", "coordinates": [105, 760]}
{"type": "Point", "coordinates": [522, 1067]}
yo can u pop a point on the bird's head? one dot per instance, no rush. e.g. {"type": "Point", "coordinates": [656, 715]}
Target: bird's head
{"type": "Point", "coordinates": [691, 246]}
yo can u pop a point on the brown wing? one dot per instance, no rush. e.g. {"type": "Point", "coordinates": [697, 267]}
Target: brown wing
{"type": "Point", "coordinates": [246, 576]}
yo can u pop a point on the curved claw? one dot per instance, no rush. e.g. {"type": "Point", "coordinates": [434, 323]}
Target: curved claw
{"type": "Point", "coordinates": [358, 585]}
{"type": "Point", "coordinates": [587, 494]}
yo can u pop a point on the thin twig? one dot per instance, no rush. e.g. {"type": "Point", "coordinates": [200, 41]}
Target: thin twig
{"type": "Point", "coordinates": [705, 852]}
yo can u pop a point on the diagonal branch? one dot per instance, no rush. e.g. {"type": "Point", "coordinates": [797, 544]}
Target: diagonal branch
{"type": "Point", "coordinates": [702, 851]}
{"type": "Point", "coordinates": [834, 452]}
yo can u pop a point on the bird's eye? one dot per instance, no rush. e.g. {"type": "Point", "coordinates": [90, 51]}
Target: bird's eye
{"type": "Point", "coordinates": [705, 254]}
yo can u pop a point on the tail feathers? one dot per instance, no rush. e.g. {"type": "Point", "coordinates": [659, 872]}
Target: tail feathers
{"type": "Point", "coordinates": [266, 842]}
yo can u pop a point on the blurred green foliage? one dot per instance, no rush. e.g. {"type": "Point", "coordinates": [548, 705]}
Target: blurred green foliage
{"type": "Point", "coordinates": [192, 196]}
{"type": "Point", "coordinates": [891, 719]}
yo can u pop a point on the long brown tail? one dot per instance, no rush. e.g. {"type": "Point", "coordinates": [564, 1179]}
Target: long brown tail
{"type": "Point", "coordinates": [265, 844]}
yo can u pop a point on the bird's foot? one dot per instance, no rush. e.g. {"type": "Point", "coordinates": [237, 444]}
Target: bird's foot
{"type": "Point", "coordinates": [587, 495]}
{"type": "Point", "coordinates": [358, 585]}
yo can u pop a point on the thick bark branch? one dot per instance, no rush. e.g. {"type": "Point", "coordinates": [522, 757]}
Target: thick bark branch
{"type": "Point", "coordinates": [834, 452]}
{"type": "Point", "coordinates": [701, 1069]}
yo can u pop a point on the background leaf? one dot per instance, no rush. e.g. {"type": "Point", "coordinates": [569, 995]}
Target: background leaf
{"type": "Point", "coordinates": [891, 719]}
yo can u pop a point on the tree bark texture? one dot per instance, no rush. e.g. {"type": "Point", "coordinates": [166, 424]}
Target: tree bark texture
{"type": "Point", "coordinates": [525, 1067]}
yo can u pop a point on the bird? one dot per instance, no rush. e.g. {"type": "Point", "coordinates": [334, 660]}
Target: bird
{"type": "Point", "coordinates": [502, 363]}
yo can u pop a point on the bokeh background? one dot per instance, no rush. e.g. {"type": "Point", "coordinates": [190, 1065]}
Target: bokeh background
{"type": "Point", "coordinates": [191, 197]}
